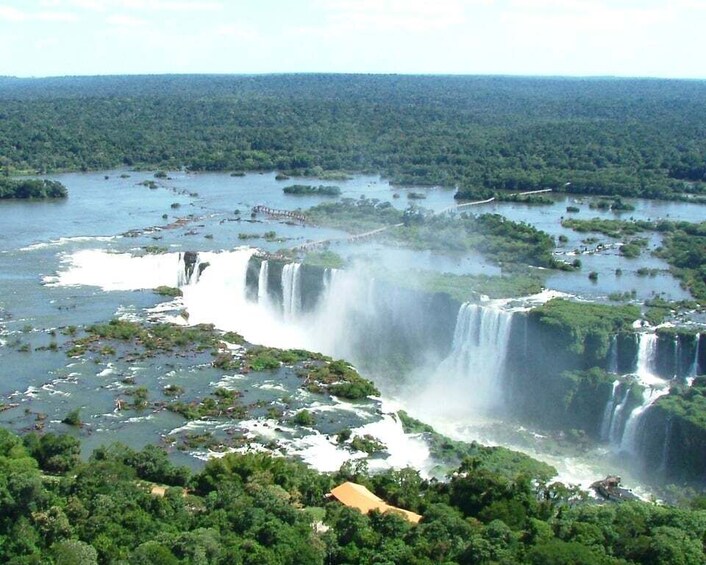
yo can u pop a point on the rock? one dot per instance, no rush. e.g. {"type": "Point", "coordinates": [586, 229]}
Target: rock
{"type": "Point", "coordinates": [609, 489]}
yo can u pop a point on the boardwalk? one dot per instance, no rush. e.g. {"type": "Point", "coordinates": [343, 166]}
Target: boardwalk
{"type": "Point", "coordinates": [275, 213]}
{"type": "Point", "coordinates": [368, 234]}
{"type": "Point", "coordinates": [308, 246]}
{"type": "Point", "coordinates": [492, 199]}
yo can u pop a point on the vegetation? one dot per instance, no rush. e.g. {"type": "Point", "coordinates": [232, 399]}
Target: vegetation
{"type": "Point", "coordinates": [611, 228]}
{"type": "Point", "coordinates": [337, 378]}
{"type": "Point", "coordinates": [305, 189]}
{"type": "Point", "coordinates": [467, 287]}
{"type": "Point", "coordinates": [324, 259]}
{"type": "Point", "coordinates": [499, 239]}
{"type": "Point", "coordinates": [501, 460]}
{"type": "Point", "coordinates": [658, 309]}
{"type": "Point", "coordinates": [636, 138]}
{"type": "Point", "coordinates": [168, 291]}
{"type": "Point", "coordinates": [584, 324]}
{"type": "Point", "coordinates": [531, 199]}
{"type": "Point", "coordinates": [684, 248]}
{"type": "Point", "coordinates": [223, 403]}
{"type": "Point", "coordinates": [31, 189]}
{"type": "Point", "coordinates": [132, 506]}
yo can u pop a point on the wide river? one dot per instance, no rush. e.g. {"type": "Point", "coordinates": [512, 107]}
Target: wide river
{"type": "Point", "coordinates": [111, 215]}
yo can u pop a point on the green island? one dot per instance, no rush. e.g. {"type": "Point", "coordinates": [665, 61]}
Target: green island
{"type": "Point", "coordinates": [31, 189]}
{"type": "Point", "coordinates": [499, 239]}
{"type": "Point", "coordinates": [308, 190]}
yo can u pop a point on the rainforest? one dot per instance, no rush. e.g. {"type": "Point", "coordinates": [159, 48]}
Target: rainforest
{"type": "Point", "coordinates": [479, 297]}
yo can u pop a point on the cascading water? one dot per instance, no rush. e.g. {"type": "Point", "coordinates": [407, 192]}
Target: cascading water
{"type": "Point", "coordinates": [291, 291]}
{"type": "Point", "coordinates": [474, 370]}
{"type": "Point", "coordinates": [654, 388]}
{"type": "Point", "coordinates": [616, 419]}
{"type": "Point", "coordinates": [262, 282]}
{"type": "Point", "coordinates": [646, 357]}
{"type": "Point", "coordinates": [608, 412]}
{"type": "Point", "coordinates": [694, 367]}
{"type": "Point", "coordinates": [634, 427]}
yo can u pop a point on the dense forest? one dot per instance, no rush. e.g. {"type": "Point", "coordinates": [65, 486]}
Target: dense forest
{"type": "Point", "coordinates": [600, 136]}
{"type": "Point", "coordinates": [126, 506]}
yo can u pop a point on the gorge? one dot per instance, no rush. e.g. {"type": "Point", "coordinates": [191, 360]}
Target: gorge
{"type": "Point", "coordinates": [498, 359]}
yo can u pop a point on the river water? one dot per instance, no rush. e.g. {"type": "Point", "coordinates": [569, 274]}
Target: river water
{"type": "Point", "coordinates": [111, 215]}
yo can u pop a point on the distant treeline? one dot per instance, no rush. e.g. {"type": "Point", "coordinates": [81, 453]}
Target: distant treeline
{"type": "Point", "coordinates": [629, 137]}
{"type": "Point", "coordinates": [31, 188]}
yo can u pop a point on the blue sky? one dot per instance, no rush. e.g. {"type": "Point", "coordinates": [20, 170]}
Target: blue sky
{"type": "Point", "coordinates": [659, 38]}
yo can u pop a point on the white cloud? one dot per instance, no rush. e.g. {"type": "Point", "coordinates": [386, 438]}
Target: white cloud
{"type": "Point", "coordinates": [124, 20]}
{"type": "Point", "coordinates": [10, 14]}
{"type": "Point", "coordinates": [169, 5]}
{"type": "Point", "coordinates": [237, 31]}
{"type": "Point", "coordinates": [135, 5]}
{"type": "Point", "coordinates": [557, 17]}
{"type": "Point", "coordinates": [404, 15]}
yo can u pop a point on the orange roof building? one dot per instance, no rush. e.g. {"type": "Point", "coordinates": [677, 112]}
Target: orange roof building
{"type": "Point", "coordinates": [358, 497]}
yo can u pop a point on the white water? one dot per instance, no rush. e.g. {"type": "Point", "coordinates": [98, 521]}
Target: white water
{"type": "Point", "coordinates": [616, 418]}
{"type": "Point", "coordinates": [608, 412]}
{"type": "Point", "coordinates": [262, 284]}
{"type": "Point", "coordinates": [469, 382]}
{"type": "Point", "coordinates": [291, 291]}
{"type": "Point", "coordinates": [630, 441]}
{"type": "Point", "coordinates": [694, 368]}
{"type": "Point", "coordinates": [646, 357]}
{"type": "Point", "coordinates": [654, 388]}
{"type": "Point", "coordinates": [118, 271]}
{"type": "Point", "coordinates": [462, 389]}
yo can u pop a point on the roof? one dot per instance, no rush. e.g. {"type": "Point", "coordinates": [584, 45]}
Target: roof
{"type": "Point", "coordinates": [358, 497]}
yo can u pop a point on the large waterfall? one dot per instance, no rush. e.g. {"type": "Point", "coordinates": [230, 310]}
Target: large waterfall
{"type": "Point", "coordinates": [470, 379]}
{"type": "Point", "coordinates": [646, 357]}
{"type": "Point", "coordinates": [291, 291]}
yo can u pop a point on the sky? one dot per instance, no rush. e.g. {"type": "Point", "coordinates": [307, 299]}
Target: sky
{"type": "Point", "coordinates": [646, 38]}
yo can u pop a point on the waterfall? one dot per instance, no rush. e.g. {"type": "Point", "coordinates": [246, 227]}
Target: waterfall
{"type": "Point", "coordinates": [329, 279]}
{"type": "Point", "coordinates": [632, 436]}
{"type": "Point", "coordinates": [608, 412]}
{"type": "Point", "coordinates": [613, 355]}
{"type": "Point", "coordinates": [473, 371]}
{"type": "Point", "coordinates": [291, 291]}
{"type": "Point", "coordinates": [262, 295]}
{"type": "Point", "coordinates": [616, 418]}
{"type": "Point", "coordinates": [646, 357]}
{"type": "Point", "coordinates": [694, 367]}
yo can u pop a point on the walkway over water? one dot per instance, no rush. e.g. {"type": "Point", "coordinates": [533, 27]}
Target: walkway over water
{"type": "Point", "coordinates": [275, 213]}
{"type": "Point", "coordinates": [368, 234]}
